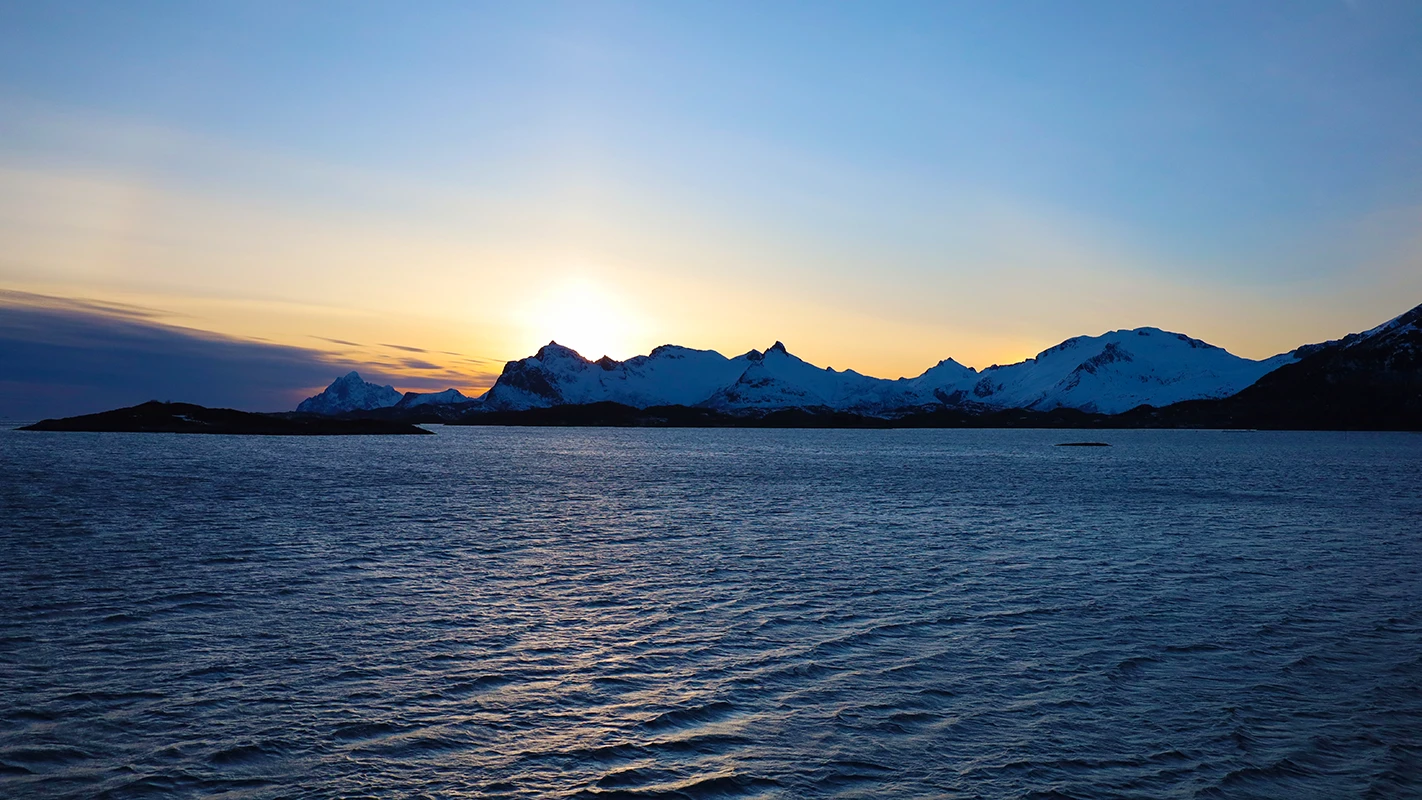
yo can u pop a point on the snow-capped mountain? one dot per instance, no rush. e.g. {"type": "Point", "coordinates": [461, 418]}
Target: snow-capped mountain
{"type": "Point", "coordinates": [557, 375]}
{"type": "Point", "coordinates": [1110, 373]}
{"type": "Point", "coordinates": [448, 397]}
{"type": "Point", "coordinates": [1117, 371]}
{"type": "Point", "coordinates": [350, 393]}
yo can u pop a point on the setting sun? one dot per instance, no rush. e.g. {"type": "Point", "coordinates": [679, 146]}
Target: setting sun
{"type": "Point", "coordinates": [586, 316]}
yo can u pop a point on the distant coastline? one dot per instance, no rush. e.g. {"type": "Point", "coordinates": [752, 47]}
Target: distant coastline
{"type": "Point", "coordinates": [1221, 415]}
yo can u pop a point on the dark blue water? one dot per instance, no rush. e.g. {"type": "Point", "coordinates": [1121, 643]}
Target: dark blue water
{"type": "Point", "coordinates": [656, 613]}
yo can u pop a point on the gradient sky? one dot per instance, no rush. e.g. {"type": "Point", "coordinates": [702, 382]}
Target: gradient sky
{"type": "Point", "coordinates": [425, 191]}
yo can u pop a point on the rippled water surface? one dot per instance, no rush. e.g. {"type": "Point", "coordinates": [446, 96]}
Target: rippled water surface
{"type": "Point", "coordinates": [681, 613]}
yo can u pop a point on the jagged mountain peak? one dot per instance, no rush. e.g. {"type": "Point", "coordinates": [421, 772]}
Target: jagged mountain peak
{"type": "Point", "coordinates": [350, 392]}
{"type": "Point", "coordinates": [555, 350]}
{"type": "Point", "coordinates": [670, 375]}
{"type": "Point", "coordinates": [947, 369]}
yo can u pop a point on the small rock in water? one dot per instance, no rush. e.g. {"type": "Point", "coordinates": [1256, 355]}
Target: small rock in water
{"type": "Point", "coordinates": [1083, 444]}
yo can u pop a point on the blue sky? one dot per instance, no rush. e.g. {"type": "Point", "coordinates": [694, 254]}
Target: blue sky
{"type": "Point", "coordinates": [880, 185]}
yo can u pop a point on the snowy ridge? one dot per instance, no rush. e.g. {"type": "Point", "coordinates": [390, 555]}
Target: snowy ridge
{"type": "Point", "coordinates": [557, 375]}
{"type": "Point", "coordinates": [1117, 371]}
{"type": "Point", "coordinates": [1108, 374]}
{"type": "Point", "coordinates": [445, 398]}
{"type": "Point", "coordinates": [1400, 332]}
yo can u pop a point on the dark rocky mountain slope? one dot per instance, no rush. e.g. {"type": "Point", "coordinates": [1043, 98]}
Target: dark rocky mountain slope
{"type": "Point", "coordinates": [1365, 381]}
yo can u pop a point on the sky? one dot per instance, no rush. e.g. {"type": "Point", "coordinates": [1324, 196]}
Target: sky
{"type": "Point", "coordinates": [287, 190]}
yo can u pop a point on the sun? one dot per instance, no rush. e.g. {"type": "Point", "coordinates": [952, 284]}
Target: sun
{"type": "Point", "coordinates": [586, 316]}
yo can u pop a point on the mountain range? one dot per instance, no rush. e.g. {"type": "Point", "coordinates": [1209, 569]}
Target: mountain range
{"type": "Point", "coordinates": [1122, 373]}
{"type": "Point", "coordinates": [1106, 374]}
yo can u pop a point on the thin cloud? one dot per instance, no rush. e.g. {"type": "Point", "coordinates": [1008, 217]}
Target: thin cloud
{"type": "Point", "coordinates": [11, 298]}
{"type": "Point", "coordinates": [337, 341]}
{"type": "Point", "coordinates": [472, 359]}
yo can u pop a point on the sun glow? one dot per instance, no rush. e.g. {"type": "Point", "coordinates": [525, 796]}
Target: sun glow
{"type": "Point", "coordinates": [587, 317]}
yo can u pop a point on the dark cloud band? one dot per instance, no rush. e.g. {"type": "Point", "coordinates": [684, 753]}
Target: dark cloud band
{"type": "Point", "coordinates": [60, 357]}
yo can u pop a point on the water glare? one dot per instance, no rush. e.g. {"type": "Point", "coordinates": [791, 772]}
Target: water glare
{"type": "Point", "coordinates": [681, 613]}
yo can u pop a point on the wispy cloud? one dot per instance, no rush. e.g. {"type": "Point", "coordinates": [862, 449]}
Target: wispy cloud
{"type": "Point", "coordinates": [12, 299]}
{"type": "Point", "coordinates": [337, 341]}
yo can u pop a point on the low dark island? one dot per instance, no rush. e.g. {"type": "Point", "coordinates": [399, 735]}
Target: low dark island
{"type": "Point", "coordinates": [156, 417]}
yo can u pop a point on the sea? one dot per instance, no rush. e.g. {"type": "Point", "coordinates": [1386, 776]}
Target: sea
{"type": "Point", "coordinates": [661, 613]}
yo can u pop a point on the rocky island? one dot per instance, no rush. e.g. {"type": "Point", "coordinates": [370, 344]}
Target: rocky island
{"type": "Point", "coordinates": [156, 417]}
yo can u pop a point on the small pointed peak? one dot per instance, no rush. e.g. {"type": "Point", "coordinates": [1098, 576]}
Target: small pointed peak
{"type": "Point", "coordinates": [777, 347]}
{"type": "Point", "coordinates": [351, 376]}
{"type": "Point", "coordinates": [553, 348]}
